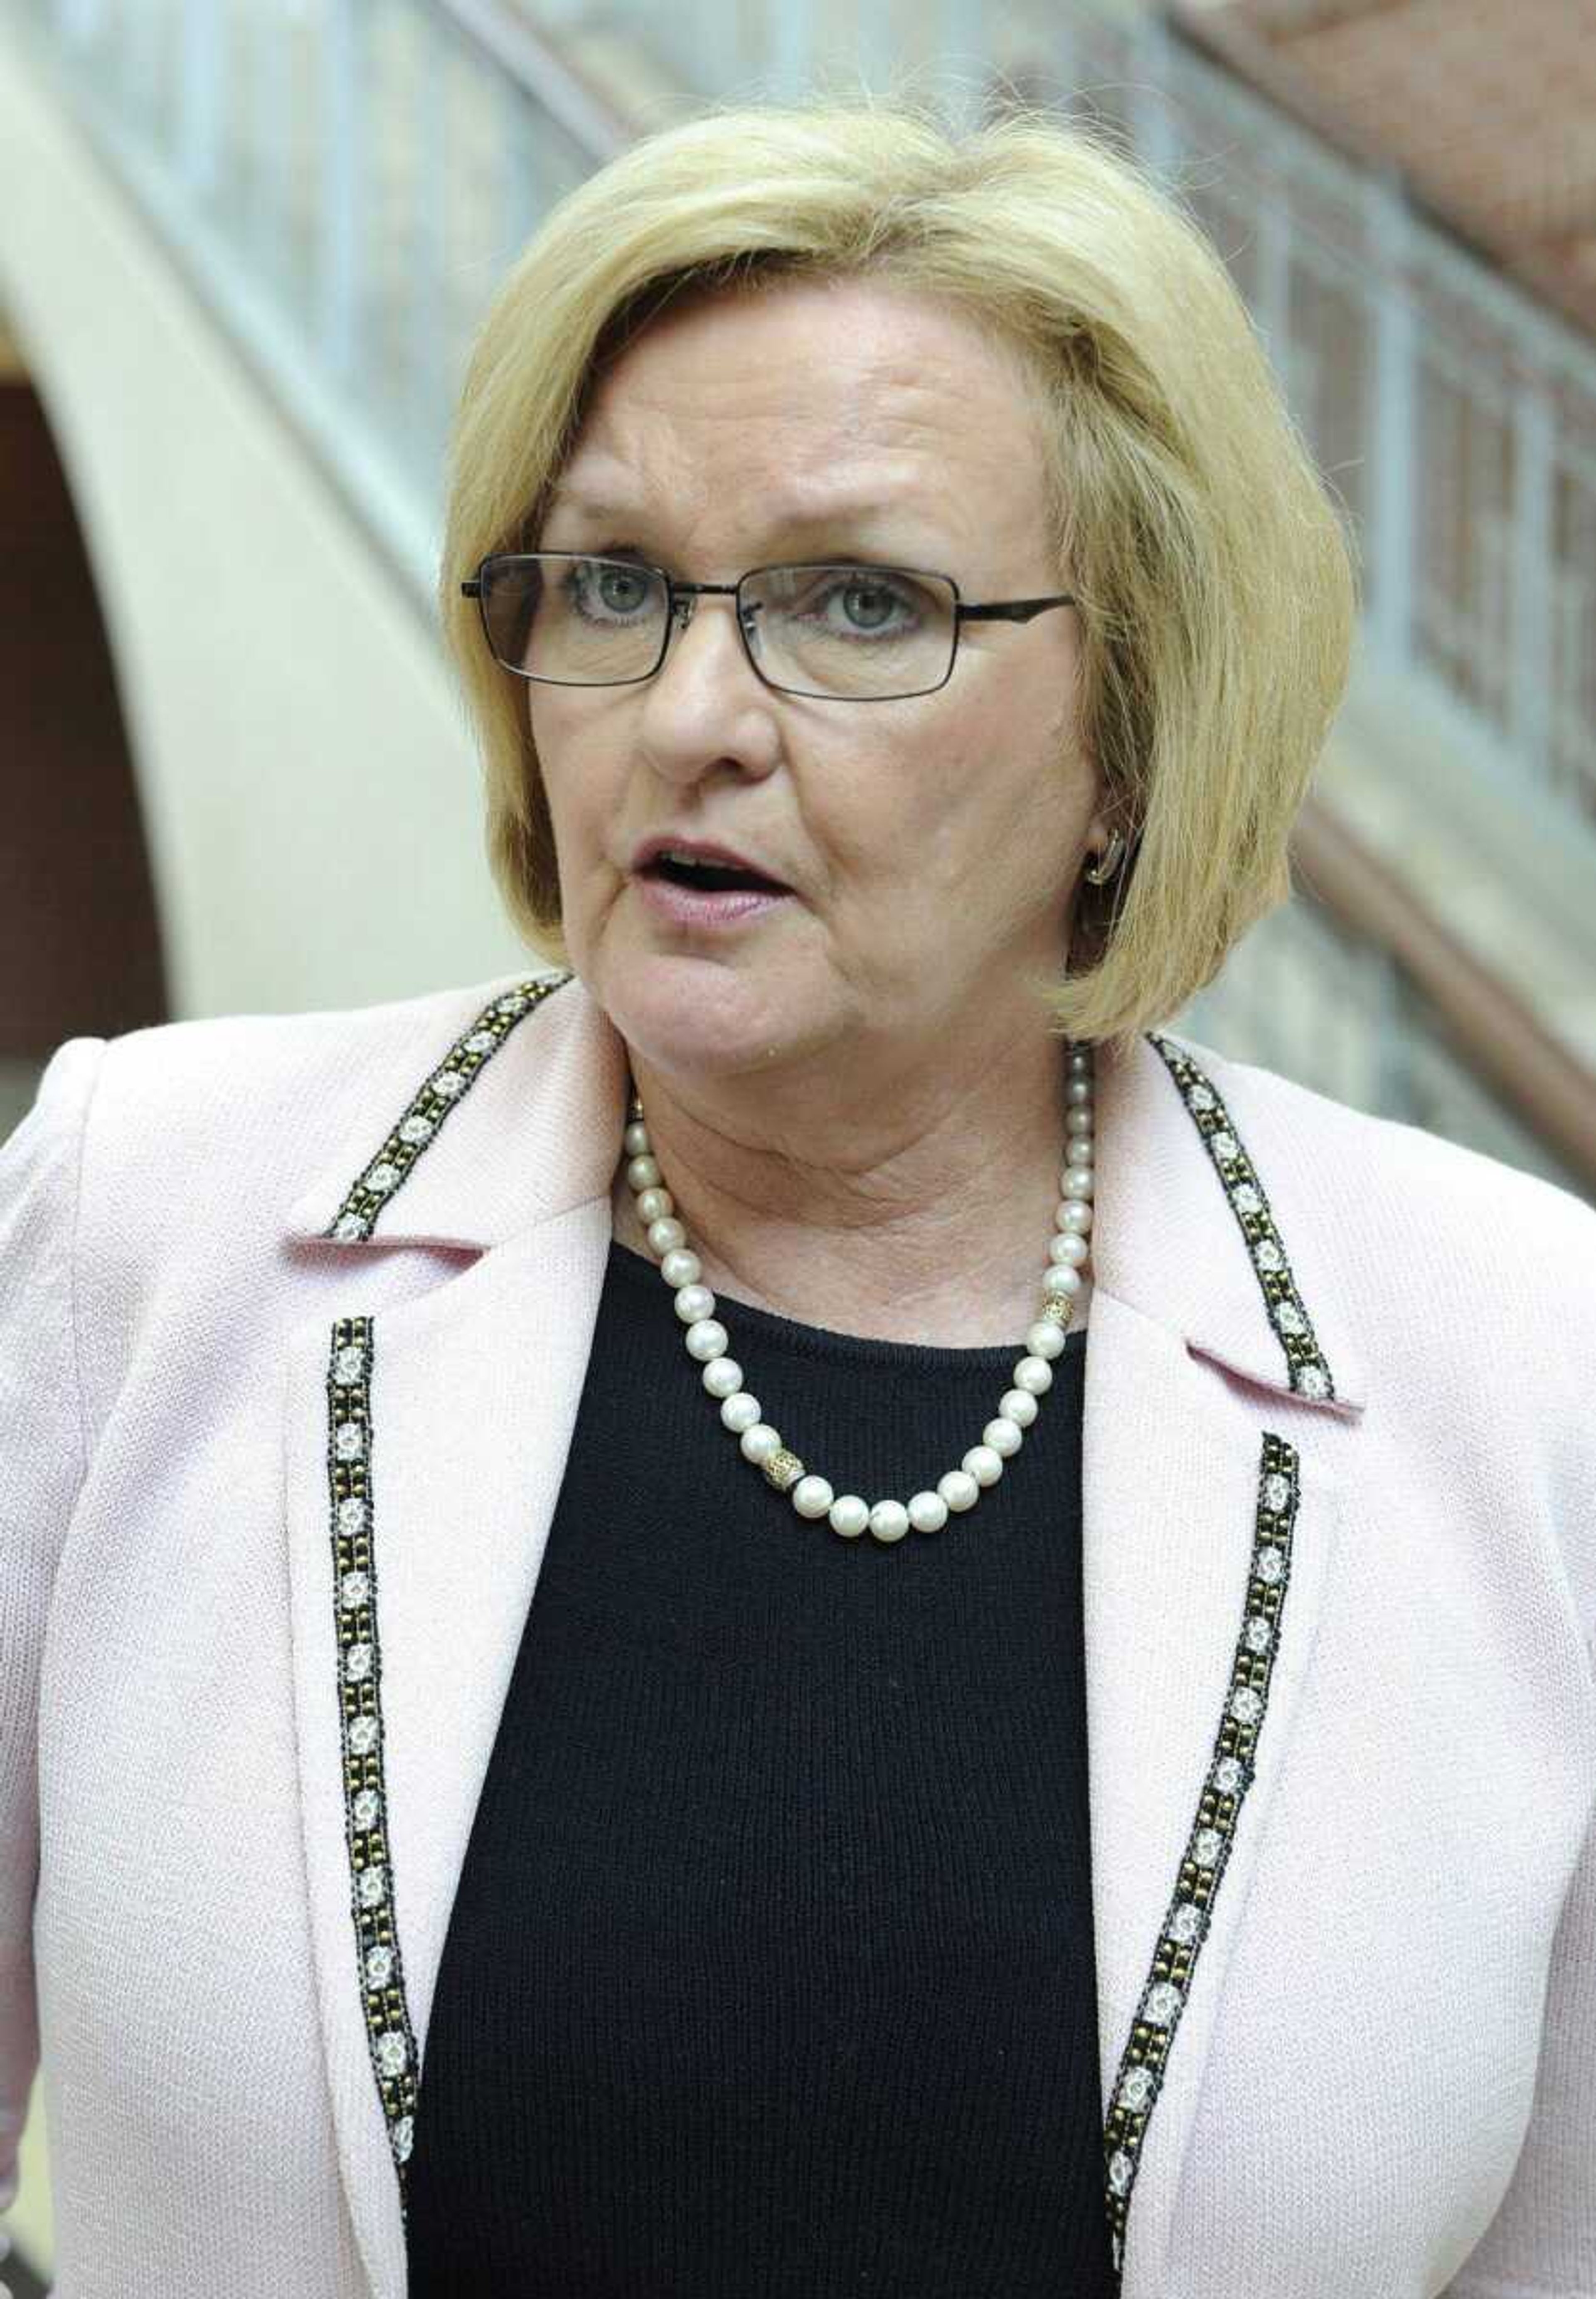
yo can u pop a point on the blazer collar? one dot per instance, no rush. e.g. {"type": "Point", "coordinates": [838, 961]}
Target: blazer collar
{"type": "Point", "coordinates": [425, 1442]}
{"type": "Point", "coordinates": [519, 1117]}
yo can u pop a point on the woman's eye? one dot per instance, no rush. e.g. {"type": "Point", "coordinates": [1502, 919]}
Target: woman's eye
{"type": "Point", "coordinates": [865, 608]}
{"type": "Point", "coordinates": [612, 590]}
{"type": "Point", "coordinates": [620, 591]}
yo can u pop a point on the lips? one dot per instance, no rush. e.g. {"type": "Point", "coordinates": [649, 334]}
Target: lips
{"type": "Point", "coordinates": [696, 909]}
{"type": "Point", "coordinates": [647, 861]}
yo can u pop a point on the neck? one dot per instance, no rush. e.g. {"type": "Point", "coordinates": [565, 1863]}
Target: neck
{"type": "Point", "coordinates": [935, 1229]}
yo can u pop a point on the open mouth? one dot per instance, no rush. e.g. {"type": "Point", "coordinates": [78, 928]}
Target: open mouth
{"type": "Point", "coordinates": [711, 878]}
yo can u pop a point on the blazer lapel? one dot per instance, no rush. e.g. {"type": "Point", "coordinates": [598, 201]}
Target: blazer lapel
{"type": "Point", "coordinates": [426, 1446]}
{"type": "Point", "coordinates": [1216, 1405]}
{"type": "Point", "coordinates": [427, 1441]}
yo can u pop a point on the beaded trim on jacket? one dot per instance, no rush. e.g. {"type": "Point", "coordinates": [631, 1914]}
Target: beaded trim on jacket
{"type": "Point", "coordinates": [1232, 1767]}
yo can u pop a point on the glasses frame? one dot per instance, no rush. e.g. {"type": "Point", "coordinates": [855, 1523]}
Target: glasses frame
{"type": "Point", "coordinates": [682, 601]}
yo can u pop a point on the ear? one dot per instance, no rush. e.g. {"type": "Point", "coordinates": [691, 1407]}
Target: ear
{"type": "Point", "coordinates": [1103, 824]}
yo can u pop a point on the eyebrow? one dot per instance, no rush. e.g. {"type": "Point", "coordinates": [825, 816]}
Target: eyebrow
{"type": "Point", "coordinates": [565, 496]}
{"type": "Point", "coordinates": [850, 527]}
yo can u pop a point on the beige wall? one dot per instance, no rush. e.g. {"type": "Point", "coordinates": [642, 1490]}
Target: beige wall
{"type": "Point", "coordinates": [310, 796]}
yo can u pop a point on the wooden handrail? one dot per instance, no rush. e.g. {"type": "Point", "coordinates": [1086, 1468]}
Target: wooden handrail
{"type": "Point", "coordinates": [1502, 1041]}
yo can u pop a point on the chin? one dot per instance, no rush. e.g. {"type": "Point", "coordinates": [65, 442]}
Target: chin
{"type": "Point", "coordinates": [681, 1011]}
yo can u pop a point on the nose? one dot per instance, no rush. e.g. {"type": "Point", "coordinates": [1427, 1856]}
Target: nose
{"type": "Point", "coordinates": [705, 701]}
{"type": "Point", "coordinates": [684, 607]}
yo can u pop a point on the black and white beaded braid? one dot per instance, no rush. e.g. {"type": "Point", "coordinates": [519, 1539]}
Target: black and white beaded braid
{"type": "Point", "coordinates": [389, 2035]}
{"type": "Point", "coordinates": [433, 1101]}
{"type": "Point", "coordinates": [1233, 1765]}
{"type": "Point", "coordinates": [1308, 1372]}
{"type": "Point", "coordinates": [706, 1341]}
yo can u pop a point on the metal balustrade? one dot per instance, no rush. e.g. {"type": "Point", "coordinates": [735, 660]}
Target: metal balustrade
{"type": "Point", "coordinates": [347, 181]}
{"type": "Point", "coordinates": [1303, 996]}
{"type": "Point", "coordinates": [1454, 415]}
{"type": "Point", "coordinates": [375, 164]}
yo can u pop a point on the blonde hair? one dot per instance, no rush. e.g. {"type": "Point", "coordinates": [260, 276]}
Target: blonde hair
{"type": "Point", "coordinates": [1214, 572]}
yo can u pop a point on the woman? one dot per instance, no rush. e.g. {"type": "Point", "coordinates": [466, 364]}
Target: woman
{"type": "Point", "coordinates": [1022, 1724]}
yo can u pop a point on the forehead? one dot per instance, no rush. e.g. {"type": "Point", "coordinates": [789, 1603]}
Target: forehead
{"type": "Point", "coordinates": [809, 392]}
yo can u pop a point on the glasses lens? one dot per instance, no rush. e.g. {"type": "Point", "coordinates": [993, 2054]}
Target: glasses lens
{"type": "Point", "coordinates": [861, 633]}
{"type": "Point", "coordinates": [577, 621]}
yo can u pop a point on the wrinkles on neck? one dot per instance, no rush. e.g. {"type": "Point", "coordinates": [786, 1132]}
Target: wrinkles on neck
{"type": "Point", "coordinates": [838, 1283]}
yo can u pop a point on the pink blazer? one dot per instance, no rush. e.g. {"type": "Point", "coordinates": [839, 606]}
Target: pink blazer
{"type": "Point", "coordinates": [295, 1313]}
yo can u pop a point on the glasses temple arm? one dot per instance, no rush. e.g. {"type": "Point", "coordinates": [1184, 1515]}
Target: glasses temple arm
{"type": "Point", "coordinates": [1011, 611]}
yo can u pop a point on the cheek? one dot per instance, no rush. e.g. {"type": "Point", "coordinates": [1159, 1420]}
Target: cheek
{"type": "Point", "coordinates": [963, 794]}
{"type": "Point", "coordinates": [867, 813]}
{"type": "Point", "coordinates": [570, 764]}
{"type": "Point", "coordinates": [893, 810]}
{"type": "Point", "coordinates": [1000, 797]}
{"type": "Point", "coordinates": [548, 722]}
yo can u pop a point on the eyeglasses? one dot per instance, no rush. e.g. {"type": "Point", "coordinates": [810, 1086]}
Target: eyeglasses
{"type": "Point", "coordinates": [831, 629]}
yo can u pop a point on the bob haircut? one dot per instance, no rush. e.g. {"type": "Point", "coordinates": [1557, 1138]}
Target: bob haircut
{"type": "Point", "coordinates": [1214, 572]}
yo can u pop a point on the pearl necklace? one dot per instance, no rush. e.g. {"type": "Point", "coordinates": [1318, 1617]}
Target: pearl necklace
{"type": "Point", "coordinates": [707, 1340]}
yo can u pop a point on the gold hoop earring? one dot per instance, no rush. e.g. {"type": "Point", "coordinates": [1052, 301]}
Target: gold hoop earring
{"type": "Point", "coordinates": [1107, 862]}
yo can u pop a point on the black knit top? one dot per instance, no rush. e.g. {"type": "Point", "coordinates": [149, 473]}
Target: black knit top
{"type": "Point", "coordinates": [771, 1965]}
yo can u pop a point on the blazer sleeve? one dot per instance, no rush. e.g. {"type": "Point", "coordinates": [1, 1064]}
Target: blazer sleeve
{"type": "Point", "coordinates": [43, 1451]}
{"type": "Point", "coordinates": [1541, 2244]}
